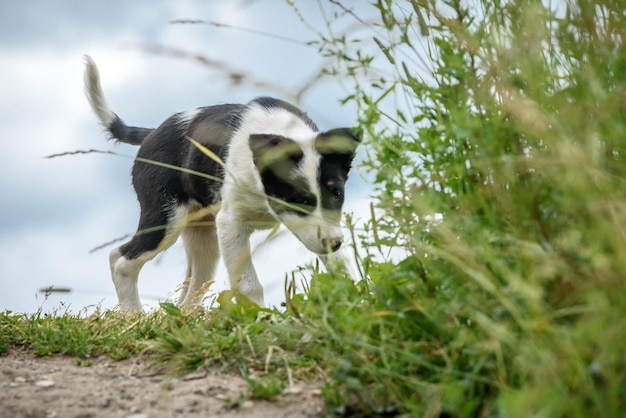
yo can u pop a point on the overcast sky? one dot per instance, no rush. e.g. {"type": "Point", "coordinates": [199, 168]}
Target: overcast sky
{"type": "Point", "coordinates": [54, 211]}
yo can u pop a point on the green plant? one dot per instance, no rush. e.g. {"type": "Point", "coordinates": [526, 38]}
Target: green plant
{"type": "Point", "coordinates": [100, 333]}
{"type": "Point", "coordinates": [496, 147]}
{"type": "Point", "coordinates": [265, 389]}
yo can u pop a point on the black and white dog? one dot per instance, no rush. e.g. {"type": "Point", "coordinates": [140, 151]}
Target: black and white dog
{"type": "Point", "coordinates": [217, 173]}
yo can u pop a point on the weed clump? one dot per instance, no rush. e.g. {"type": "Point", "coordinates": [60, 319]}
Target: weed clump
{"type": "Point", "coordinates": [496, 141]}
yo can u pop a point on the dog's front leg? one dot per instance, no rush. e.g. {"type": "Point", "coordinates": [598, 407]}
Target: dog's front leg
{"type": "Point", "coordinates": [343, 259]}
{"type": "Point", "coordinates": [234, 242]}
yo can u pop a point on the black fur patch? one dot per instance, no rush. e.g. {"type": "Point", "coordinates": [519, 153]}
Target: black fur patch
{"type": "Point", "coordinates": [159, 188]}
{"type": "Point", "coordinates": [277, 159]}
{"type": "Point", "coordinates": [337, 148]}
{"type": "Point", "coordinates": [128, 134]}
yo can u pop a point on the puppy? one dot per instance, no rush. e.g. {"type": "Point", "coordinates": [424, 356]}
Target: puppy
{"type": "Point", "coordinates": [216, 174]}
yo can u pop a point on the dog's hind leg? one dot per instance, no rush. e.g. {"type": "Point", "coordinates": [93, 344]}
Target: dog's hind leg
{"type": "Point", "coordinates": [200, 242]}
{"type": "Point", "coordinates": [153, 236]}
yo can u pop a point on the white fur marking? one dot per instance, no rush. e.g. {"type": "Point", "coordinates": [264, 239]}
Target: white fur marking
{"type": "Point", "coordinates": [94, 93]}
{"type": "Point", "coordinates": [186, 117]}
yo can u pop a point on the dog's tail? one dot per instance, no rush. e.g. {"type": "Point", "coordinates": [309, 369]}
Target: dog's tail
{"type": "Point", "coordinates": [112, 123]}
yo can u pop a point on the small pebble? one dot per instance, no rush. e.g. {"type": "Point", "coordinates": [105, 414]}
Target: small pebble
{"type": "Point", "coordinates": [169, 384]}
{"type": "Point", "coordinates": [103, 403]}
{"type": "Point", "coordinates": [247, 404]}
{"type": "Point", "coordinates": [292, 390]}
{"type": "Point", "coordinates": [45, 383]}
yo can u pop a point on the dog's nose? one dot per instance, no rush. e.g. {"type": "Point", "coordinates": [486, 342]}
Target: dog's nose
{"type": "Point", "coordinates": [332, 243]}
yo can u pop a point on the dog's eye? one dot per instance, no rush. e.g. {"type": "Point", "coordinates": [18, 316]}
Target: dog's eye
{"type": "Point", "coordinates": [336, 193]}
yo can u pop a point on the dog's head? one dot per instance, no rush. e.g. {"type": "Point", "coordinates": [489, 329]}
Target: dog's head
{"type": "Point", "coordinates": [304, 182]}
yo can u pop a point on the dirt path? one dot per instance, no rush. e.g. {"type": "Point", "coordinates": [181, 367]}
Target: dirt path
{"type": "Point", "coordinates": [56, 387]}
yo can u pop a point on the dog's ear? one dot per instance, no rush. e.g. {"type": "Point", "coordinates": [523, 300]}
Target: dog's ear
{"type": "Point", "coordinates": [338, 145]}
{"type": "Point", "coordinates": [340, 141]}
{"type": "Point", "coordinates": [274, 152]}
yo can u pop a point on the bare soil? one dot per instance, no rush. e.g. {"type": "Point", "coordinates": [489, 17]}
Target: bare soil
{"type": "Point", "coordinates": [57, 387]}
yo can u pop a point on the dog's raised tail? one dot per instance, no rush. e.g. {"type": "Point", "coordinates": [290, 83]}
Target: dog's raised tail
{"type": "Point", "coordinates": [113, 124]}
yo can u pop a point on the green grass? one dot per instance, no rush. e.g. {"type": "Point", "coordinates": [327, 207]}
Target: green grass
{"type": "Point", "coordinates": [101, 333]}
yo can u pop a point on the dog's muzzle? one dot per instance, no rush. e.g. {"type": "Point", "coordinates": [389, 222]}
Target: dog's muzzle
{"type": "Point", "coordinates": [332, 244]}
